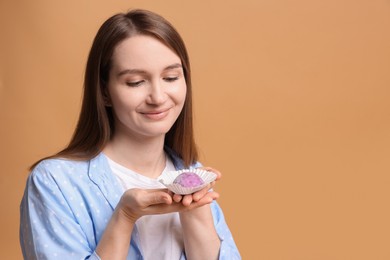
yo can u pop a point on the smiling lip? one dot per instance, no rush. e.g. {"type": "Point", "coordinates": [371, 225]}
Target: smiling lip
{"type": "Point", "coordinates": [156, 115]}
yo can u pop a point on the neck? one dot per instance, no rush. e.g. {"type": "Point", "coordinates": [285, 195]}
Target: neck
{"type": "Point", "coordinates": [145, 156]}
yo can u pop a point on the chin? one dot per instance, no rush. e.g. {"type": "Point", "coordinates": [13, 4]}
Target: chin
{"type": "Point", "coordinates": [156, 132]}
{"type": "Point", "coordinates": [153, 129]}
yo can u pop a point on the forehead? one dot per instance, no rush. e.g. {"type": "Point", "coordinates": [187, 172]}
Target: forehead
{"type": "Point", "coordinates": [143, 52]}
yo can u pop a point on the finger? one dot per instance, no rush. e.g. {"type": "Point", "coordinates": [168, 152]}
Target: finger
{"type": "Point", "coordinates": [187, 200]}
{"type": "Point", "coordinates": [164, 190]}
{"type": "Point", "coordinates": [177, 197]}
{"type": "Point", "coordinates": [208, 198]}
{"type": "Point", "coordinates": [199, 194]}
{"type": "Point", "coordinates": [179, 207]}
{"type": "Point", "coordinates": [213, 195]}
{"type": "Point", "coordinates": [163, 208]}
{"type": "Point", "coordinates": [153, 197]}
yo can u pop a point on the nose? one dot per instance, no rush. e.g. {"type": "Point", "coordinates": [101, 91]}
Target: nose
{"type": "Point", "coordinates": [157, 95]}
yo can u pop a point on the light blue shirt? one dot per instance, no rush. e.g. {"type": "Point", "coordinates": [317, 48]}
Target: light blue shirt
{"type": "Point", "coordinates": [67, 205]}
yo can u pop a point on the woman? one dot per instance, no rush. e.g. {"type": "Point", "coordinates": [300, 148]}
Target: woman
{"type": "Point", "coordinates": [99, 198]}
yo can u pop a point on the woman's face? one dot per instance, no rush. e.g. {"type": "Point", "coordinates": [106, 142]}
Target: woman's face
{"type": "Point", "coordinates": [146, 87]}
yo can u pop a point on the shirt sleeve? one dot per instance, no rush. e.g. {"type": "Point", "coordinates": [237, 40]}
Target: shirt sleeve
{"type": "Point", "coordinates": [48, 228]}
{"type": "Point", "coordinates": [228, 250]}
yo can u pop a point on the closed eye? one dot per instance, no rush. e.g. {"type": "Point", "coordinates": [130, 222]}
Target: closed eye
{"type": "Point", "coordinates": [171, 79]}
{"type": "Point", "coordinates": [135, 83]}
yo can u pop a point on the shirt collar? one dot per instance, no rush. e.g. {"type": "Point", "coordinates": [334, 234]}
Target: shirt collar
{"type": "Point", "coordinates": [100, 173]}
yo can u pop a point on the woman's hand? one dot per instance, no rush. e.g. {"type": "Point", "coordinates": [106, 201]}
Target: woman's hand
{"type": "Point", "coordinates": [136, 203]}
{"type": "Point", "coordinates": [203, 195]}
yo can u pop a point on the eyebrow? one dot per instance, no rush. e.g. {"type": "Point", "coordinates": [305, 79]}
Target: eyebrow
{"type": "Point", "coordinates": [139, 71]}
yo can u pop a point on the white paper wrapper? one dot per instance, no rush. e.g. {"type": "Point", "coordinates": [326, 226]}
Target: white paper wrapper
{"type": "Point", "coordinates": [168, 177]}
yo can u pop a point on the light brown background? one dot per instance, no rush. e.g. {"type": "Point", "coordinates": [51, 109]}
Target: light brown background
{"type": "Point", "coordinates": [291, 102]}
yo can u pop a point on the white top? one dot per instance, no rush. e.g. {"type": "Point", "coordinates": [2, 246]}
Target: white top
{"type": "Point", "coordinates": [160, 235]}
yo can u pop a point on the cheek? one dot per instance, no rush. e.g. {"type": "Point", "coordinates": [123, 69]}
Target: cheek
{"type": "Point", "coordinates": [182, 93]}
{"type": "Point", "coordinates": [124, 103]}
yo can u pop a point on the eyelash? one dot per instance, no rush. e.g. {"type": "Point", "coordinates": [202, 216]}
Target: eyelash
{"type": "Point", "coordinates": [138, 83]}
{"type": "Point", "coordinates": [171, 79]}
{"type": "Point", "coordinates": [134, 84]}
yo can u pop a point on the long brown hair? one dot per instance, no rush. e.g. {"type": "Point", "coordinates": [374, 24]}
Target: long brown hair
{"type": "Point", "coordinates": [96, 121]}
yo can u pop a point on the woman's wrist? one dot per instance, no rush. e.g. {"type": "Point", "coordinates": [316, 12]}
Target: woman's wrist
{"type": "Point", "coordinates": [200, 213]}
{"type": "Point", "coordinates": [115, 241]}
{"type": "Point", "coordinates": [125, 215]}
{"type": "Point", "coordinates": [200, 237]}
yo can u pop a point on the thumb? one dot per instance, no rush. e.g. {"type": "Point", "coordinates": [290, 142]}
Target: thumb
{"type": "Point", "coordinates": [158, 197]}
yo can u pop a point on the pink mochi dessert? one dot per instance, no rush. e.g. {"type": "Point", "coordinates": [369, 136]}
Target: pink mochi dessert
{"type": "Point", "coordinates": [188, 180]}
